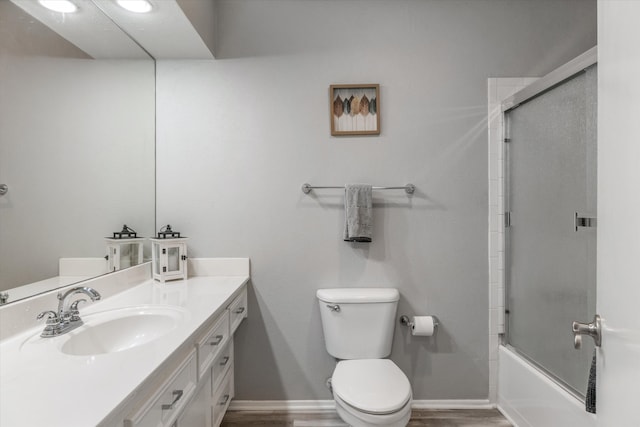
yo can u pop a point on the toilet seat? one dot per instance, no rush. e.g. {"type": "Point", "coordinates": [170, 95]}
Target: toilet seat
{"type": "Point", "coordinates": [371, 386]}
{"type": "Point", "coordinates": [356, 418]}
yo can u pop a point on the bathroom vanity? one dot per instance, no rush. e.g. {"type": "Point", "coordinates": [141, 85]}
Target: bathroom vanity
{"type": "Point", "coordinates": [151, 355]}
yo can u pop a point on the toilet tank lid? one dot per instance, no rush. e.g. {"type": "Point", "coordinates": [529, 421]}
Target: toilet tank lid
{"type": "Point", "coordinates": [358, 295]}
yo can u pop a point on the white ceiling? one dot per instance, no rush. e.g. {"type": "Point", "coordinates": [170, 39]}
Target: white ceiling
{"type": "Point", "coordinates": [165, 32]}
{"type": "Point", "coordinates": [104, 30]}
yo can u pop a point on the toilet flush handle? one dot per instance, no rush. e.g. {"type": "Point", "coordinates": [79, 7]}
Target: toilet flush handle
{"type": "Point", "coordinates": [334, 307]}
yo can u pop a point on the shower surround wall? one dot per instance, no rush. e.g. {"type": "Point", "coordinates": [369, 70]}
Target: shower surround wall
{"type": "Point", "coordinates": [238, 136]}
{"type": "Point", "coordinates": [499, 89]}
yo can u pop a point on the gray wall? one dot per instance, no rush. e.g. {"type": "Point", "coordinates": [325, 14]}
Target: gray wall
{"type": "Point", "coordinates": [238, 136]}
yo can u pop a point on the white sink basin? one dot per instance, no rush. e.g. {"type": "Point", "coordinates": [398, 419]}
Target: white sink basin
{"type": "Point", "coordinates": [121, 329]}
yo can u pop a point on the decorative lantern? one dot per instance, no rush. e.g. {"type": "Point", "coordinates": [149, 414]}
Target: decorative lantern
{"type": "Point", "coordinates": [124, 249]}
{"type": "Point", "coordinates": [169, 255]}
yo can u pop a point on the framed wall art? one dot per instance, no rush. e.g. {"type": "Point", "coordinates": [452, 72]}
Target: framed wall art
{"type": "Point", "coordinates": [355, 109]}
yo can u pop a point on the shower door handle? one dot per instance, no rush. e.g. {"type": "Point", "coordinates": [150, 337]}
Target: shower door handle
{"type": "Point", "coordinates": [593, 329]}
{"type": "Point", "coordinates": [584, 221]}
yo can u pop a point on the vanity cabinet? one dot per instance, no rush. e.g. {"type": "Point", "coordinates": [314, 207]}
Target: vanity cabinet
{"type": "Point", "coordinates": [199, 411]}
{"type": "Point", "coordinates": [211, 344]}
{"type": "Point", "coordinates": [222, 397]}
{"type": "Point", "coordinates": [177, 368]}
{"type": "Point", "coordinates": [163, 407]}
{"type": "Point", "coordinates": [238, 311]}
{"type": "Point", "coordinates": [197, 392]}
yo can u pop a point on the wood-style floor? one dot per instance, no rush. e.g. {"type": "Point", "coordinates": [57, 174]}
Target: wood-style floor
{"type": "Point", "coordinates": [431, 417]}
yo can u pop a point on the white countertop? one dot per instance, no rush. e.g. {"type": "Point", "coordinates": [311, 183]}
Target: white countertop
{"type": "Point", "coordinates": [41, 386]}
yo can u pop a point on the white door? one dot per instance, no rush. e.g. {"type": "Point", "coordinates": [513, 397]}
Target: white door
{"type": "Point", "coordinates": [618, 382]}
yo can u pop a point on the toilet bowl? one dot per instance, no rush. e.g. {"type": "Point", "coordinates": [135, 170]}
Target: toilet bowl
{"type": "Point", "coordinates": [358, 324]}
{"type": "Point", "coordinates": [371, 392]}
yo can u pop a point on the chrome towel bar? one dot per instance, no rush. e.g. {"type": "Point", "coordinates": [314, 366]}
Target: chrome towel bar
{"type": "Point", "coordinates": [409, 188]}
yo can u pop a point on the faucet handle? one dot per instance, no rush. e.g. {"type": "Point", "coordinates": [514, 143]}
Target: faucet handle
{"type": "Point", "coordinates": [52, 318]}
{"type": "Point", "coordinates": [73, 310]}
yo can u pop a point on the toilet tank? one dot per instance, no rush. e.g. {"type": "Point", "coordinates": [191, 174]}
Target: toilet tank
{"type": "Point", "coordinates": [358, 323]}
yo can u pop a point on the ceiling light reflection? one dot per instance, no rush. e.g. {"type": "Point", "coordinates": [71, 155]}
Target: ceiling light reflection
{"type": "Point", "coordinates": [137, 6]}
{"type": "Point", "coordinates": [62, 6]}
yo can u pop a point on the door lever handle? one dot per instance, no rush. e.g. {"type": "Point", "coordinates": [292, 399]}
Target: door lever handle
{"type": "Point", "coordinates": [593, 329]}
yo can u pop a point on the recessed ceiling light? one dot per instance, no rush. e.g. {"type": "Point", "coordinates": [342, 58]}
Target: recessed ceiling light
{"type": "Point", "coordinates": [62, 6]}
{"type": "Point", "coordinates": [137, 6]}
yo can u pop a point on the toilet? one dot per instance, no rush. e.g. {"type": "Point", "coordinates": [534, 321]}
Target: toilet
{"type": "Point", "coordinates": [358, 325]}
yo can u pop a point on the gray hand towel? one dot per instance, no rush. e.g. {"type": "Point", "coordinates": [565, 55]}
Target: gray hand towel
{"type": "Point", "coordinates": [590, 401]}
{"type": "Point", "coordinates": [358, 207]}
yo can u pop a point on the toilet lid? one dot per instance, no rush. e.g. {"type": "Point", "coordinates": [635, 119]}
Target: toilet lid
{"type": "Point", "coordinates": [376, 386]}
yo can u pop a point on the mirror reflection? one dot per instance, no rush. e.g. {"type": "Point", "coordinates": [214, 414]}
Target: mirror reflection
{"type": "Point", "coordinates": [77, 131]}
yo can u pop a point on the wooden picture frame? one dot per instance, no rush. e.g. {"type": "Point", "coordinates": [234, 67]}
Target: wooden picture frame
{"type": "Point", "coordinates": [354, 109]}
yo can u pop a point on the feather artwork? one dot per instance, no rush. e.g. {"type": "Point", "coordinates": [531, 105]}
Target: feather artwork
{"type": "Point", "coordinates": [354, 109]}
{"type": "Point", "coordinates": [364, 105]}
{"type": "Point", "coordinates": [355, 106]}
{"type": "Point", "coordinates": [338, 107]}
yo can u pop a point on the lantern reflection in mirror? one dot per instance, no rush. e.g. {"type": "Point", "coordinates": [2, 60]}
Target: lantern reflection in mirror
{"type": "Point", "coordinates": [124, 249]}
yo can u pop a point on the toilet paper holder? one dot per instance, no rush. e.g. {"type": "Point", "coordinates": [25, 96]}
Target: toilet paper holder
{"type": "Point", "coordinates": [406, 321]}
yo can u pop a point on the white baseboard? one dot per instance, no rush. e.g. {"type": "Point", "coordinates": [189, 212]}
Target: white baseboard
{"type": "Point", "coordinates": [453, 404]}
{"type": "Point", "coordinates": [283, 405]}
{"type": "Point", "coordinates": [315, 406]}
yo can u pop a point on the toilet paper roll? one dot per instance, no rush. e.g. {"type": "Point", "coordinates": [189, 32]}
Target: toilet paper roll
{"type": "Point", "coordinates": [423, 326]}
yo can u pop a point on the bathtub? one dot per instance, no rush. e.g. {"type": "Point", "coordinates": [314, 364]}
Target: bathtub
{"type": "Point", "coordinates": [530, 398]}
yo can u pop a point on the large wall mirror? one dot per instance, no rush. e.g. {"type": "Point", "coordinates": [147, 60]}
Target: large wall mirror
{"type": "Point", "coordinates": [77, 144]}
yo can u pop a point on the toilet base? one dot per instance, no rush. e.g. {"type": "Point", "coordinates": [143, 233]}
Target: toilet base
{"type": "Point", "coordinates": [355, 418]}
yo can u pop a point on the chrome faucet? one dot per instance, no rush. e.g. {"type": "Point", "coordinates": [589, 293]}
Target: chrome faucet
{"type": "Point", "coordinates": [68, 316]}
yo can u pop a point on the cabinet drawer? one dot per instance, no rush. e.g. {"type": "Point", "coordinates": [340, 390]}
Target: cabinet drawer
{"type": "Point", "coordinates": [238, 310]}
{"type": "Point", "coordinates": [221, 365]}
{"type": "Point", "coordinates": [222, 397]}
{"type": "Point", "coordinates": [162, 409]}
{"type": "Point", "coordinates": [212, 343]}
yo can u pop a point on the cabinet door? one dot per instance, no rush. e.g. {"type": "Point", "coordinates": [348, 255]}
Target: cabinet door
{"type": "Point", "coordinates": [198, 412]}
{"type": "Point", "coordinates": [222, 397]}
{"type": "Point", "coordinates": [210, 346]}
{"type": "Point", "coordinates": [162, 408]}
{"type": "Point", "coordinates": [238, 311]}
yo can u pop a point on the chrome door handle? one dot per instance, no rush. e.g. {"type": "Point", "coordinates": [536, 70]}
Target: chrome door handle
{"type": "Point", "coordinates": [4, 189]}
{"type": "Point", "coordinates": [593, 329]}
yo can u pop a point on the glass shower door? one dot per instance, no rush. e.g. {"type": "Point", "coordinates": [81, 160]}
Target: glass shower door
{"type": "Point", "coordinates": [551, 254]}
